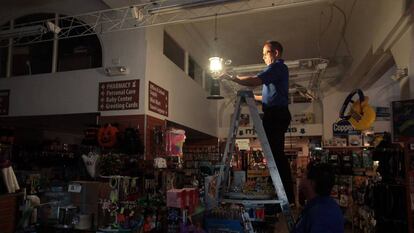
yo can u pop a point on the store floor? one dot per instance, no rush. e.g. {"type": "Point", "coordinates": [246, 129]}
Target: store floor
{"type": "Point", "coordinates": [281, 227]}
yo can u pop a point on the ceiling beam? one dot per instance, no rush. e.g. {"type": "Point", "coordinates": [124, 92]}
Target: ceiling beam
{"type": "Point", "coordinates": [152, 14]}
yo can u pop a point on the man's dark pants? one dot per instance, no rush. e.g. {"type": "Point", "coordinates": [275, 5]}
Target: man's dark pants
{"type": "Point", "coordinates": [276, 121]}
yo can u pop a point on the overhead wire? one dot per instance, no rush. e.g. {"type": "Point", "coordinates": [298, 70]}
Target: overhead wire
{"type": "Point", "coordinates": [344, 27]}
{"type": "Point", "coordinates": [322, 32]}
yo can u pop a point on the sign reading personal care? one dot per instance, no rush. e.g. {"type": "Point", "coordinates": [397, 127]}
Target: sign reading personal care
{"type": "Point", "coordinates": [120, 95]}
{"type": "Point", "coordinates": [4, 102]}
{"type": "Point", "coordinates": [158, 99]}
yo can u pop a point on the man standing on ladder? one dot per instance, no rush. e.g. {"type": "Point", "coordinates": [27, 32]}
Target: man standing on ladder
{"type": "Point", "coordinates": [275, 100]}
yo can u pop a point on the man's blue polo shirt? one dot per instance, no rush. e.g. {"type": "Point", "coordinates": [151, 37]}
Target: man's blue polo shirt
{"type": "Point", "coordinates": [320, 215]}
{"type": "Point", "coordinates": [275, 80]}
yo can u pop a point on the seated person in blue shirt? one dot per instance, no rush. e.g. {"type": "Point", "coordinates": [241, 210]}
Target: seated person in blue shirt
{"type": "Point", "coordinates": [321, 213]}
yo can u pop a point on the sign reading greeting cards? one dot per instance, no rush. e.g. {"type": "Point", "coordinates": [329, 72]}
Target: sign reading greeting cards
{"type": "Point", "coordinates": [119, 95]}
{"type": "Point", "coordinates": [158, 99]}
{"type": "Point", "coordinates": [4, 102]}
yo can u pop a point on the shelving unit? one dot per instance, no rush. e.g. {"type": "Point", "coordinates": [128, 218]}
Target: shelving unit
{"type": "Point", "coordinates": [356, 164]}
{"type": "Point", "coordinates": [409, 159]}
{"type": "Point", "coordinates": [197, 156]}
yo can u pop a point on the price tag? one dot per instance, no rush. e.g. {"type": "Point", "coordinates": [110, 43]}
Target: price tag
{"type": "Point", "coordinates": [74, 188]}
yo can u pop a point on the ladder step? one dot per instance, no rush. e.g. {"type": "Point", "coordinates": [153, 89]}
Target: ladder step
{"type": "Point", "coordinates": [247, 97]}
{"type": "Point", "coordinates": [251, 202]}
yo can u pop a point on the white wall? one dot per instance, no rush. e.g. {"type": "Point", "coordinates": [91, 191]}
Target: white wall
{"type": "Point", "coordinates": [77, 91]}
{"type": "Point", "coordinates": [371, 27]}
{"type": "Point", "coordinates": [129, 49]}
{"type": "Point", "coordinates": [187, 99]}
{"type": "Point", "coordinates": [380, 94]}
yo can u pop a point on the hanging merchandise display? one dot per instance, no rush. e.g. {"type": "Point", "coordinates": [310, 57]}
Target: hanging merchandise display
{"type": "Point", "coordinates": [391, 161]}
{"type": "Point", "coordinates": [361, 115]}
{"type": "Point", "coordinates": [127, 212]}
{"type": "Point", "coordinates": [158, 140]}
{"type": "Point", "coordinates": [107, 136]}
{"type": "Point", "coordinates": [90, 160]}
{"type": "Point", "coordinates": [9, 177]}
{"type": "Point", "coordinates": [131, 142]}
{"type": "Point", "coordinates": [7, 135]}
{"type": "Point", "coordinates": [110, 164]}
{"type": "Point", "coordinates": [160, 163]}
{"type": "Point", "coordinates": [91, 136]}
{"type": "Point", "coordinates": [174, 142]}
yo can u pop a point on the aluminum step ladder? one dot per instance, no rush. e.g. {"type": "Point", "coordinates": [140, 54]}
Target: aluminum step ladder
{"type": "Point", "coordinates": [248, 97]}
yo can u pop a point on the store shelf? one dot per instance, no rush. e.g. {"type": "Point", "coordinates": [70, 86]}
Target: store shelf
{"type": "Point", "coordinates": [256, 220]}
{"type": "Point", "coordinates": [347, 147]}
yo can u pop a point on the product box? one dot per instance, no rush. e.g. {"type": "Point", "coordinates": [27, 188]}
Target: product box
{"type": "Point", "coordinates": [176, 198]}
{"type": "Point", "coordinates": [355, 140]}
{"type": "Point", "coordinates": [339, 141]}
{"type": "Point", "coordinates": [303, 118]}
{"type": "Point", "coordinates": [191, 198]}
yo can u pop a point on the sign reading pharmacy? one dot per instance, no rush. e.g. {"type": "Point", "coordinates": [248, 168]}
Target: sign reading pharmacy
{"type": "Point", "coordinates": [4, 102]}
{"type": "Point", "coordinates": [158, 99]}
{"type": "Point", "coordinates": [119, 95]}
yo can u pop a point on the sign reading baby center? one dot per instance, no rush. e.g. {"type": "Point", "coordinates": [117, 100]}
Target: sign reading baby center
{"type": "Point", "coordinates": [158, 99]}
{"type": "Point", "coordinates": [119, 95]}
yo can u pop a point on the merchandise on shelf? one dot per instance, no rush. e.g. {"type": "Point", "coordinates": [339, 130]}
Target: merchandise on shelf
{"type": "Point", "coordinates": [174, 142]}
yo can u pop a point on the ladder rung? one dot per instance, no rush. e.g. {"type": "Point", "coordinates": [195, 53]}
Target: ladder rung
{"type": "Point", "coordinates": [252, 202]}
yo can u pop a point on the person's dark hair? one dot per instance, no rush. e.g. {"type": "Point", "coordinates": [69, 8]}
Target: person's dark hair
{"type": "Point", "coordinates": [324, 177]}
{"type": "Point", "coordinates": [274, 45]}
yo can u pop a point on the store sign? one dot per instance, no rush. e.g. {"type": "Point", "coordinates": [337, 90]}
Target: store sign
{"type": "Point", "coordinates": [293, 130]}
{"type": "Point", "coordinates": [158, 99]}
{"type": "Point", "coordinates": [4, 102]}
{"type": "Point", "coordinates": [343, 127]}
{"type": "Point", "coordinates": [120, 95]}
{"type": "Point", "coordinates": [383, 113]}
{"type": "Point", "coordinates": [243, 144]}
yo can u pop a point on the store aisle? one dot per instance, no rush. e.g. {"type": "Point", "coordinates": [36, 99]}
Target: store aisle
{"type": "Point", "coordinates": [281, 227]}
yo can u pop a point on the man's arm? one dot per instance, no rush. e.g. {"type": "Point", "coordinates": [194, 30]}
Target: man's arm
{"type": "Point", "coordinates": [250, 81]}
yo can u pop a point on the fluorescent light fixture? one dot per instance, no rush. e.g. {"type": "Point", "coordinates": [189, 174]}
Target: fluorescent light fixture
{"type": "Point", "coordinates": [216, 66]}
{"type": "Point", "coordinates": [258, 67]}
{"type": "Point", "coordinates": [23, 31]}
